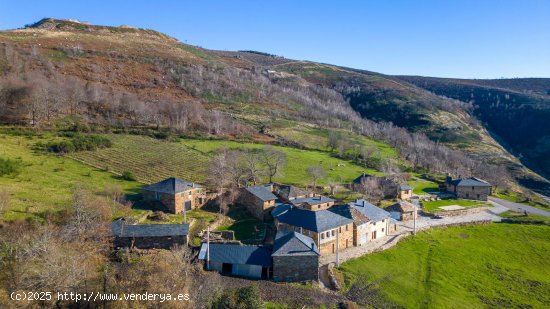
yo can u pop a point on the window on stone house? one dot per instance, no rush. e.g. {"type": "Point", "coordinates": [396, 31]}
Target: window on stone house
{"type": "Point", "coordinates": [472, 188]}
{"type": "Point", "coordinates": [346, 228]}
{"type": "Point", "coordinates": [322, 235]}
{"type": "Point", "coordinates": [332, 232]}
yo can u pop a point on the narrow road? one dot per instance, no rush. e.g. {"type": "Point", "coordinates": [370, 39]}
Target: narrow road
{"type": "Point", "coordinates": [517, 207]}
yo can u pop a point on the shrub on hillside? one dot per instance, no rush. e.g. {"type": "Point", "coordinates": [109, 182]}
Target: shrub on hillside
{"type": "Point", "coordinates": [79, 143]}
{"type": "Point", "coordinates": [9, 167]}
{"type": "Point", "coordinates": [245, 297]}
{"type": "Point", "coordinates": [127, 175]}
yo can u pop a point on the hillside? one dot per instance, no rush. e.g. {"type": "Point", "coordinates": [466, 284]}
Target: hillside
{"type": "Point", "coordinates": [146, 82]}
{"type": "Point", "coordinates": [521, 104]}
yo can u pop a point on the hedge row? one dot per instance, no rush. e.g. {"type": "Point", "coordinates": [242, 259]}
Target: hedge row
{"type": "Point", "coordinates": [79, 143]}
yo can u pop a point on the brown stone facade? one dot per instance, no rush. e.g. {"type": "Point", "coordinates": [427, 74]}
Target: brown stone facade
{"type": "Point", "coordinates": [472, 193]}
{"type": "Point", "coordinates": [326, 240]}
{"type": "Point", "coordinates": [315, 207]}
{"type": "Point", "coordinates": [296, 268]}
{"type": "Point", "coordinates": [405, 194]}
{"type": "Point", "coordinates": [257, 207]}
{"type": "Point", "coordinates": [176, 202]}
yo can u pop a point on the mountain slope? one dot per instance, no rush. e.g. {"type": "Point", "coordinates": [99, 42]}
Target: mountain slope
{"type": "Point", "coordinates": [515, 110]}
{"type": "Point", "coordinates": [122, 77]}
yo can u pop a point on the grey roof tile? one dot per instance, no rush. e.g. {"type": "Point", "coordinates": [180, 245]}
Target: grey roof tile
{"type": "Point", "coordinates": [262, 192]}
{"type": "Point", "coordinates": [120, 229]}
{"type": "Point", "coordinates": [369, 210]}
{"type": "Point", "coordinates": [316, 221]}
{"type": "Point", "coordinates": [294, 244]}
{"type": "Point", "coordinates": [237, 254]}
{"type": "Point", "coordinates": [171, 186]}
{"type": "Point", "coordinates": [314, 200]}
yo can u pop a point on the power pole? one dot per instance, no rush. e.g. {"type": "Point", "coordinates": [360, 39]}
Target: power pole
{"type": "Point", "coordinates": [414, 215]}
{"type": "Point", "coordinates": [208, 248]}
{"type": "Point", "coordinates": [337, 248]}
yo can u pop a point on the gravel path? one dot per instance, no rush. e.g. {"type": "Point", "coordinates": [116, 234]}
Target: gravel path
{"type": "Point", "coordinates": [517, 207]}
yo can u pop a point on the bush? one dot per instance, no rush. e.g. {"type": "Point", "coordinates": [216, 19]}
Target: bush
{"type": "Point", "coordinates": [79, 143]}
{"type": "Point", "coordinates": [245, 297]}
{"type": "Point", "coordinates": [9, 167]}
{"type": "Point", "coordinates": [127, 175]}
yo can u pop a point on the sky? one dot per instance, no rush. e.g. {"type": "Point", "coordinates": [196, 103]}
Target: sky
{"type": "Point", "coordinates": [444, 38]}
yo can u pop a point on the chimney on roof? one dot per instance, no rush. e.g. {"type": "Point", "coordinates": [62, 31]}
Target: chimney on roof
{"type": "Point", "coordinates": [312, 246]}
{"type": "Point", "coordinates": [363, 203]}
{"type": "Point", "coordinates": [192, 184]}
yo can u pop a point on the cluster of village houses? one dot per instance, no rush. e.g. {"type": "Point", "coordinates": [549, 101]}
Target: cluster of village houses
{"type": "Point", "coordinates": [308, 226]}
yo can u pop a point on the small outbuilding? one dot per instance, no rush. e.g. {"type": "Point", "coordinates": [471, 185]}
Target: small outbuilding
{"type": "Point", "coordinates": [405, 192]}
{"type": "Point", "coordinates": [295, 258]}
{"type": "Point", "coordinates": [237, 260]}
{"type": "Point", "coordinates": [149, 236]}
{"type": "Point", "coordinates": [175, 195]}
{"type": "Point", "coordinates": [469, 188]}
{"type": "Point", "coordinates": [259, 200]}
{"type": "Point", "coordinates": [405, 209]}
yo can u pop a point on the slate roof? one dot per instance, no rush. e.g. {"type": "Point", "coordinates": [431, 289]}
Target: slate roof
{"type": "Point", "coordinates": [349, 212]}
{"type": "Point", "coordinates": [290, 192]}
{"type": "Point", "coordinates": [262, 192]}
{"type": "Point", "coordinates": [359, 179]}
{"type": "Point", "coordinates": [316, 221]}
{"type": "Point", "coordinates": [403, 206]}
{"type": "Point", "coordinates": [171, 186]}
{"type": "Point", "coordinates": [470, 182]}
{"type": "Point", "coordinates": [237, 254]}
{"type": "Point", "coordinates": [314, 200]}
{"type": "Point", "coordinates": [294, 244]}
{"type": "Point", "coordinates": [369, 210]}
{"type": "Point", "coordinates": [404, 187]}
{"type": "Point", "coordinates": [120, 229]}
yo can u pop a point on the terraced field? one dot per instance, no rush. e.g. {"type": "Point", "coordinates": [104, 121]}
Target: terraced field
{"type": "Point", "coordinates": [150, 160]}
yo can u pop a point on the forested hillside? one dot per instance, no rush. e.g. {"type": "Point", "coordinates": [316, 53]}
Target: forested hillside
{"type": "Point", "coordinates": [515, 110]}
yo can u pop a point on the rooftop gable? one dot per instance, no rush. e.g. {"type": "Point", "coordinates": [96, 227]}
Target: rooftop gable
{"type": "Point", "coordinates": [120, 229]}
{"type": "Point", "coordinates": [372, 212]}
{"type": "Point", "coordinates": [316, 221]}
{"type": "Point", "coordinates": [171, 186]}
{"type": "Point", "coordinates": [237, 254]}
{"type": "Point", "coordinates": [294, 244]}
{"type": "Point", "coordinates": [262, 192]}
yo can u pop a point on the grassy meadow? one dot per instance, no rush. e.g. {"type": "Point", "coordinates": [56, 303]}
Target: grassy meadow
{"type": "Point", "coordinates": [462, 267]}
{"type": "Point", "coordinates": [433, 206]}
{"type": "Point", "coordinates": [153, 160]}
{"type": "Point", "coordinates": [45, 181]}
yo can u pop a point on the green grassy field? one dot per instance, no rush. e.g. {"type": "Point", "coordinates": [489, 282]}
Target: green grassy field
{"type": "Point", "coordinates": [496, 265]}
{"type": "Point", "coordinates": [153, 160]}
{"type": "Point", "coordinates": [246, 230]}
{"type": "Point", "coordinates": [520, 217]}
{"type": "Point", "coordinates": [518, 198]}
{"type": "Point", "coordinates": [421, 186]}
{"type": "Point", "coordinates": [433, 206]}
{"type": "Point", "coordinates": [45, 181]}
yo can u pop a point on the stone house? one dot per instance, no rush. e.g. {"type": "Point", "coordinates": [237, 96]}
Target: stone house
{"type": "Point", "coordinates": [404, 192]}
{"type": "Point", "coordinates": [237, 260]}
{"type": "Point", "coordinates": [314, 203]}
{"type": "Point", "coordinates": [323, 226]}
{"type": "Point", "coordinates": [259, 200]}
{"type": "Point", "coordinates": [378, 222]}
{"type": "Point", "coordinates": [469, 188]}
{"type": "Point", "coordinates": [295, 258]}
{"type": "Point", "coordinates": [288, 192]}
{"type": "Point", "coordinates": [405, 209]}
{"type": "Point", "coordinates": [175, 194]}
{"type": "Point", "coordinates": [149, 236]}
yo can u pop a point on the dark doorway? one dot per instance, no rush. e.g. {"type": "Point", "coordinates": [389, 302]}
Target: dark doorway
{"type": "Point", "coordinates": [227, 268]}
{"type": "Point", "coordinates": [187, 205]}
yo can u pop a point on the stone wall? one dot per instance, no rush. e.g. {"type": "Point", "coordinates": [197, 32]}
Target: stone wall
{"type": "Point", "coordinates": [165, 242]}
{"type": "Point", "coordinates": [295, 268]}
{"type": "Point", "coordinates": [461, 212]}
{"type": "Point", "coordinates": [473, 193]}
{"type": "Point", "coordinates": [257, 207]}
{"type": "Point", "coordinates": [327, 245]}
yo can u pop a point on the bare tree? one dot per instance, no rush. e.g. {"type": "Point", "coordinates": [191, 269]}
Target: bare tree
{"type": "Point", "coordinates": [274, 160]}
{"type": "Point", "coordinates": [253, 165]}
{"type": "Point", "coordinates": [333, 185]}
{"type": "Point", "coordinates": [371, 189]}
{"type": "Point", "coordinates": [4, 201]}
{"type": "Point", "coordinates": [316, 172]}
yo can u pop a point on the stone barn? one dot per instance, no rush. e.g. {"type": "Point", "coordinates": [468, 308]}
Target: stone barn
{"type": "Point", "coordinates": [288, 192]}
{"type": "Point", "coordinates": [318, 202]}
{"type": "Point", "coordinates": [149, 236]}
{"type": "Point", "coordinates": [295, 258]}
{"type": "Point", "coordinates": [237, 260]}
{"type": "Point", "coordinates": [323, 226]}
{"type": "Point", "coordinates": [405, 192]}
{"type": "Point", "coordinates": [469, 188]}
{"type": "Point", "coordinates": [259, 200]}
{"type": "Point", "coordinates": [405, 209]}
{"type": "Point", "coordinates": [175, 194]}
